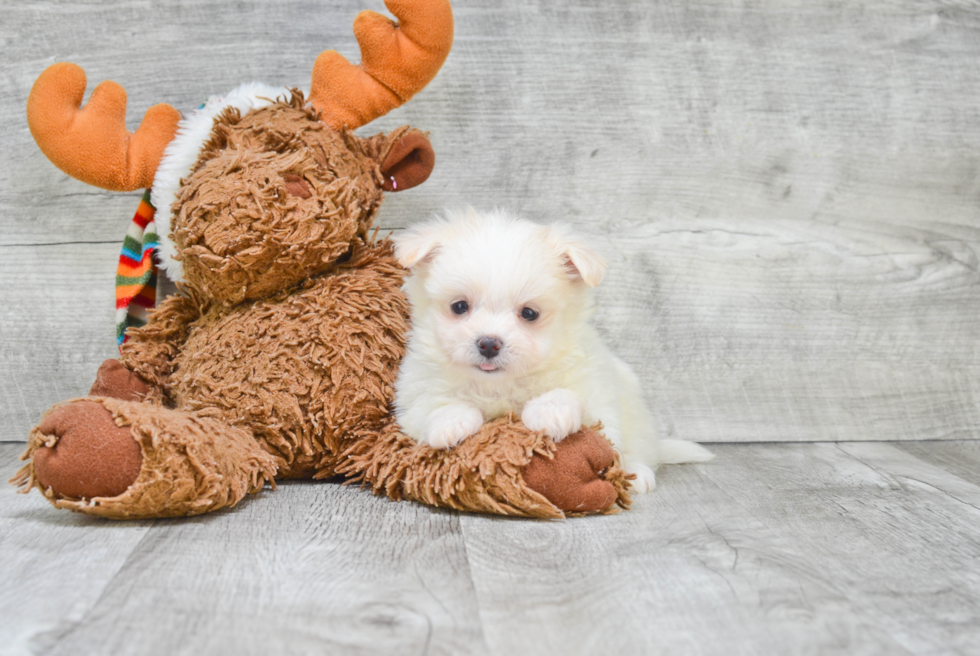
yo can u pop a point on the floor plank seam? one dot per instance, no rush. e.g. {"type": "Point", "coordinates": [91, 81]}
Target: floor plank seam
{"type": "Point", "coordinates": [102, 242]}
{"type": "Point", "coordinates": [111, 580]}
{"type": "Point", "coordinates": [462, 518]}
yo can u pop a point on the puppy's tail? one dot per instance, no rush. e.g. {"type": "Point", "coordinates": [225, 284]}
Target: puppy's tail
{"type": "Point", "coordinates": [675, 452]}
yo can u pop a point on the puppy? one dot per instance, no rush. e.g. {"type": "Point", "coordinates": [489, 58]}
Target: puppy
{"type": "Point", "coordinates": [500, 323]}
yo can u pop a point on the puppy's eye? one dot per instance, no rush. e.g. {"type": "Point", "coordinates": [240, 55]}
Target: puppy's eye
{"type": "Point", "coordinates": [528, 314]}
{"type": "Point", "coordinates": [460, 307]}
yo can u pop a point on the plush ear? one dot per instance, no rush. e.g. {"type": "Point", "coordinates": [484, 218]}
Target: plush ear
{"type": "Point", "coordinates": [582, 262]}
{"type": "Point", "coordinates": [418, 245]}
{"type": "Point", "coordinates": [409, 161]}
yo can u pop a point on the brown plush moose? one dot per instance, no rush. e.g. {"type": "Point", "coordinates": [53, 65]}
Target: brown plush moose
{"type": "Point", "coordinates": [277, 358]}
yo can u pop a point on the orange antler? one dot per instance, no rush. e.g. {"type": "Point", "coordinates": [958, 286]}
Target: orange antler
{"type": "Point", "coordinates": [397, 61]}
{"type": "Point", "coordinates": [91, 143]}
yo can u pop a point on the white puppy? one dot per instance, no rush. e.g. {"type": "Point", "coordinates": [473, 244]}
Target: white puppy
{"type": "Point", "coordinates": [500, 323]}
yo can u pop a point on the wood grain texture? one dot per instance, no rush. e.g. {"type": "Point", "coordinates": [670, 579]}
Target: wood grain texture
{"type": "Point", "coordinates": [772, 549]}
{"type": "Point", "coordinates": [959, 457]}
{"type": "Point", "coordinates": [789, 194]}
{"type": "Point", "coordinates": [55, 299]}
{"type": "Point", "coordinates": [850, 548]}
{"type": "Point", "coordinates": [54, 567]}
{"type": "Point", "coordinates": [311, 568]}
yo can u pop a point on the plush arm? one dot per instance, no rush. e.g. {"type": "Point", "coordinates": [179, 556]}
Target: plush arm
{"type": "Point", "coordinates": [150, 350]}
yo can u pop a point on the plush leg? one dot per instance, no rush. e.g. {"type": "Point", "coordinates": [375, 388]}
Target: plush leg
{"type": "Point", "coordinates": [117, 382]}
{"type": "Point", "coordinates": [488, 472]}
{"type": "Point", "coordinates": [184, 464]}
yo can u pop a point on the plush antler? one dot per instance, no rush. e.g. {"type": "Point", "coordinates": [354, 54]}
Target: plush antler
{"type": "Point", "coordinates": [91, 143]}
{"type": "Point", "coordinates": [397, 61]}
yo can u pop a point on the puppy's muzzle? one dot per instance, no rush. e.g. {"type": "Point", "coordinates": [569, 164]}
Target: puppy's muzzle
{"type": "Point", "coordinates": [489, 346]}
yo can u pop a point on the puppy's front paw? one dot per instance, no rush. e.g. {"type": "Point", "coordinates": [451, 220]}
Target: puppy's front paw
{"type": "Point", "coordinates": [558, 413]}
{"type": "Point", "coordinates": [451, 424]}
{"type": "Point", "coordinates": [646, 479]}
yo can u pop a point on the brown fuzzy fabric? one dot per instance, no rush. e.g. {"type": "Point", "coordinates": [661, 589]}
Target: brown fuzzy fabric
{"type": "Point", "coordinates": [151, 350]}
{"type": "Point", "coordinates": [305, 367]}
{"type": "Point", "coordinates": [486, 472]}
{"type": "Point", "coordinates": [619, 479]}
{"type": "Point", "coordinates": [482, 474]}
{"type": "Point", "coordinates": [191, 465]}
{"type": "Point", "coordinates": [240, 232]}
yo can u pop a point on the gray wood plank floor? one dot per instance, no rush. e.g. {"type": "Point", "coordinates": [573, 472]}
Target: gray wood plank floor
{"type": "Point", "coordinates": [848, 548]}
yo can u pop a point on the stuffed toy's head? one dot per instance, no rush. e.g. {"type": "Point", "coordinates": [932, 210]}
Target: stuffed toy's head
{"type": "Point", "coordinates": [263, 187]}
{"type": "Point", "coordinates": [276, 196]}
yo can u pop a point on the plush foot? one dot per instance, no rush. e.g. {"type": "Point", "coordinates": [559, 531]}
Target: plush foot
{"type": "Point", "coordinates": [573, 479]}
{"type": "Point", "coordinates": [92, 456]}
{"type": "Point", "coordinates": [116, 381]}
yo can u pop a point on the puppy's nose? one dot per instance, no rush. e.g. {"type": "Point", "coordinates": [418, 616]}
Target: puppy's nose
{"type": "Point", "coordinates": [489, 346]}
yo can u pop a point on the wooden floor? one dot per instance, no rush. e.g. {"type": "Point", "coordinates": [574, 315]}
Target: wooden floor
{"type": "Point", "coordinates": [847, 548]}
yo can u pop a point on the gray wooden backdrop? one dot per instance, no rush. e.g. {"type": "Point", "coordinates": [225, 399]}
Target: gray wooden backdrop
{"type": "Point", "coordinates": [788, 192]}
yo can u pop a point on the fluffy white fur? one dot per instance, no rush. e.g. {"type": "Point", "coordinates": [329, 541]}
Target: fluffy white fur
{"type": "Point", "coordinates": [553, 370]}
{"type": "Point", "coordinates": [181, 154]}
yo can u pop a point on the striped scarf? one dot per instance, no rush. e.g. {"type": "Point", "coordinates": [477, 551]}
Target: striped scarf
{"type": "Point", "coordinates": [136, 275]}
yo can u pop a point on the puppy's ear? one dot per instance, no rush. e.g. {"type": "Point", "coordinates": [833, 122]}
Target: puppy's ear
{"type": "Point", "coordinates": [585, 264]}
{"type": "Point", "coordinates": [582, 262]}
{"type": "Point", "coordinates": [417, 245]}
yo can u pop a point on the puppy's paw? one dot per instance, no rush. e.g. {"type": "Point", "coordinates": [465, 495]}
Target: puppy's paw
{"type": "Point", "coordinates": [451, 424]}
{"type": "Point", "coordinates": [646, 479]}
{"type": "Point", "coordinates": [558, 413]}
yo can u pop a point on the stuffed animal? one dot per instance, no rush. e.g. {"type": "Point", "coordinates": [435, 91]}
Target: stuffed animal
{"type": "Point", "coordinates": [277, 358]}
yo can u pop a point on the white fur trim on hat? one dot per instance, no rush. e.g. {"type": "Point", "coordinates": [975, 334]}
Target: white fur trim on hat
{"type": "Point", "coordinates": [181, 154]}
